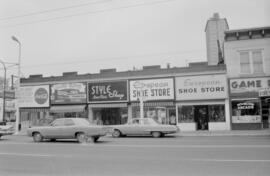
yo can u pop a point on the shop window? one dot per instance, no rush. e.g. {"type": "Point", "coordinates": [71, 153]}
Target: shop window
{"type": "Point", "coordinates": [245, 107]}
{"type": "Point", "coordinates": [162, 115]}
{"type": "Point", "coordinates": [216, 113]}
{"type": "Point", "coordinates": [185, 114]}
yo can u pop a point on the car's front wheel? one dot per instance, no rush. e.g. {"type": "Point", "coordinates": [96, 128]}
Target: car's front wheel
{"type": "Point", "coordinates": [92, 139]}
{"type": "Point", "coordinates": [37, 137]}
{"type": "Point", "coordinates": [116, 133]}
{"type": "Point", "coordinates": [81, 137]}
{"type": "Point", "coordinates": [156, 134]}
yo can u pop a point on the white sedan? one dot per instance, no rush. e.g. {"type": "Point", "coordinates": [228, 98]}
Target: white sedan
{"type": "Point", "coordinates": [143, 126]}
{"type": "Point", "coordinates": [68, 128]}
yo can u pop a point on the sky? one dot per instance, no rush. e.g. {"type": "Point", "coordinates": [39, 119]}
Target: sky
{"type": "Point", "coordinates": [88, 35]}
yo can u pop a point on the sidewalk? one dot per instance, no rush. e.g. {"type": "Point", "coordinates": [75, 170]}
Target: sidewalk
{"type": "Point", "coordinates": [265, 132]}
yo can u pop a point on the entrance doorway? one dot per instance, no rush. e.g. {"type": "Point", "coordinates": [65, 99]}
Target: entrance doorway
{"type": "Point", "coordinates": [201, 117]}
{"type": "Point", "coordinates": [110, 116]}
{"type": "Point", "coordinates": [265, 102]}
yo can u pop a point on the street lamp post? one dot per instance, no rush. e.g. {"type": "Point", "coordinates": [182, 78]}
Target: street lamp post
{"type": "Point", "coordinates": [18, 85]}
{"type": "Point", "coordinates": [4, 89]}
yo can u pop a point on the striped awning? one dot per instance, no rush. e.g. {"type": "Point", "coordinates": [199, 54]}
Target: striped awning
{"type": "Point", "coordinates": [67, 108]}
{"type": "Point", "coordinates": [34, 109]}
{"type": "Point", "coordinates": [108, 105]}
{"type": "Point", "coordinates": [155, 104]}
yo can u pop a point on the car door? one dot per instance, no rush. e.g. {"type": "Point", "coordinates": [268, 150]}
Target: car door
{"type": "Point", "coordinates": [54, 131]}
{"type": "Point", "coordinates": [69, 128]}
{"type": "Point", "coordinates": [135, 127]}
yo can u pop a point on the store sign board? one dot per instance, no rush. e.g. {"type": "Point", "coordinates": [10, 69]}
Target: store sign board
{"type": "Point", "coordinates": [34, 96]}
{"type": "Point", "coordinates": [246, 119]}
{"type": "Point", "coordinates": [152, 89]}
{"type": "Point", "coordinates": [201, 87]}
{"type": "Point", "coordinates": [68, 93]}
{"type": "Point", "coordinates": [264, 92]}
{"type": "Point", "coordinates": [244, 85]}
{"type": "Point", "coordinates": [107, 91]}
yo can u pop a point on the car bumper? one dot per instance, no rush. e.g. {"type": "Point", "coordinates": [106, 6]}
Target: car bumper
{"type": "Point", "coordinates": [2, 133]}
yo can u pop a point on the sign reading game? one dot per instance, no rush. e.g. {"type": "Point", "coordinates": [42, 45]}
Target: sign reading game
{"type": "Point", "coordinates": [152, 89]}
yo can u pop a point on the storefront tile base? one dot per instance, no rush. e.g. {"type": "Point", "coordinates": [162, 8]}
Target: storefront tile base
{"type": "Point", "coordinates": [187, 126]}
{"type": "Point", "coordinates": [218, 126]}
{"type": "Point", "coordinates": [246, 126]}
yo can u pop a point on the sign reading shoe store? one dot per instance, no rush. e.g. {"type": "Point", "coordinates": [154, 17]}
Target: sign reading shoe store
{"type": "Point", "coordinates": [152, 89]}
{"type": "Point", "coordinates": [34, 96]}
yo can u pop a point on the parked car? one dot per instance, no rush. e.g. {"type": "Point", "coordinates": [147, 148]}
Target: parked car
{"type": "Point", "coordinates": [6, 129]}
{"type": "Point", "coordinates": [144, 126]}
{"type": "Point", "coordinates": [68, 128]}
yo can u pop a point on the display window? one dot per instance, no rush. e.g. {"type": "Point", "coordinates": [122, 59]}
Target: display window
{"type": "Point", "coordinates": [216, 113]}
{"type": "Point", "coordinates": [185, 114]}
{"type": "Point", "coordinates": [162, 115]}
{"type": "Point", "coordinates": [246, 111]}
{"type": "Point", "coordinates": [110, 116]}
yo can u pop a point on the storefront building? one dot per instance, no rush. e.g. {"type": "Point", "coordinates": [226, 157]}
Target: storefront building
{"type": "Point", "coordinates": [108, 102]}
{"type": "Point", "coordinates": [157, 96]}
{"type": "Point", "coordinates": [202, 102]}
{"type": "Point", "coordinates": [34, 105]}
{"type": "Point", "coordinates": [68, 100]}
{"type": "Point", "coordinates": [250, 103]}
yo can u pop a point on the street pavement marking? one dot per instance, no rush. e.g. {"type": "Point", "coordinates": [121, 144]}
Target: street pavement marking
{"type": "Point", "coordinates": [25, 154]}
{"type": "Point", "coordinates": [140, 146]}
{"type": "Point", "coordinates": [225, 160]}
{"type": "Point", "coordinates": [180, 159]}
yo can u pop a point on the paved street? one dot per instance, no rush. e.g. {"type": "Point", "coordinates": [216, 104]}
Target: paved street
{"type": "Point", "coordinates": [174, 155]}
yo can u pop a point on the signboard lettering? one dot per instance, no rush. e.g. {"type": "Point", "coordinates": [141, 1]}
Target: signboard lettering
{"type": "Point", "coordinates": [152, 89]}
{"type": "Point", "coordinates": [201, 87]}
{"type": "Point", "coordinates": [108, 91]}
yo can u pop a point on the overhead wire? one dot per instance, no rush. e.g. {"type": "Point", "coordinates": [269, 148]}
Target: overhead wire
{"type": "Point", "coordinates": [86, 13]}
{"type": "Point", "coordinates": [53, 10]}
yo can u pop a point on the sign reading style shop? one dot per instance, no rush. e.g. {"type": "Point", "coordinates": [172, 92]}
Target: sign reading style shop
{"type": "Point", "coordinates": [201, 87]}
{"type": "Point", "coordinates": [34, 96]}
{"type": "Point", "coordinates": [68, 93]}
{"type": "Point", "coordinates": [152, 89]}
{"type": "Point", "coordinates": [107, 91]}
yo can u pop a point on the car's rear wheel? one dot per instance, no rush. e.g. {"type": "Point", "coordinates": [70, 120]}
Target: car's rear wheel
{"type": "Point", "coordinates": [81, 137]}
{"type": "Point", "coordinates": [156, 134]}
{"type": "Point", "coordinates": [116, 133]}
{"type": "Point", "coordinates": [37, 137]}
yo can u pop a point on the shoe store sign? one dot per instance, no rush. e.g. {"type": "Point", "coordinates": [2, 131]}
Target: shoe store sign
{"type": "Point", "coordinates": [34, 96]}
{"type": "Point", "coordinates": [201, 87]}
{"type": "Point", "coordinates": [152, 89]}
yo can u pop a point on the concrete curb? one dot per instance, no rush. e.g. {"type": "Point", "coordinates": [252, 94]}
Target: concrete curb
{"type": "Point", "coordinates": [208, 133]}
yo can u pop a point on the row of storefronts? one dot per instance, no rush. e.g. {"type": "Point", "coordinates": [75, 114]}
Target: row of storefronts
{"type": "Point", "coordinates": [202, 102]}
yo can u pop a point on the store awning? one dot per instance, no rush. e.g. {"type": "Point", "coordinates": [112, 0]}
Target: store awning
{"type": "Point", "coordinates": [155, 104]}
{"type": "Point", "coordinates": [108, 105]}
{"type": "Point", "coordinates": [34, 109]}
{"type": "Point", "coordinates": [67, 108]}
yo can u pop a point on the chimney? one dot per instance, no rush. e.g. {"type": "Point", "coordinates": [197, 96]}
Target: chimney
{"type": "Point", "coordinates": [70, 74]}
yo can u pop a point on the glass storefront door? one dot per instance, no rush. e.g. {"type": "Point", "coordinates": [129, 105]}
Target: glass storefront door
{"type": "Point", "coordinates": [201, 117]}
